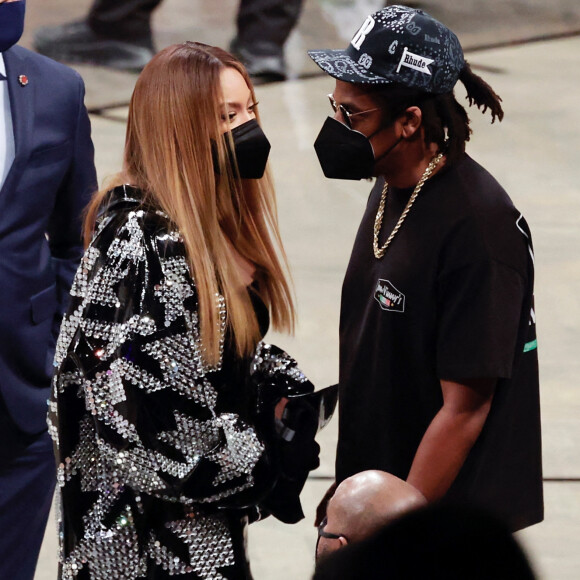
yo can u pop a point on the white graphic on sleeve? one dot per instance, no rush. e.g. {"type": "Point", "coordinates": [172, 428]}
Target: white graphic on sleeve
{"type": "Point", "coordinates": [531, 345]}
{"type": "Point", "coordinates": [415, 61]}
{"type": "Point", "coordinates": [527, 238]}
{"type": "Point", "coordinates": [360, 36]}
{"type": "Point", "coordinates": [388, 297]}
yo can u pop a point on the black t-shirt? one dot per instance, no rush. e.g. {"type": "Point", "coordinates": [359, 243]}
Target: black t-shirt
{"type": "Point", "coordinates": [451, 299]}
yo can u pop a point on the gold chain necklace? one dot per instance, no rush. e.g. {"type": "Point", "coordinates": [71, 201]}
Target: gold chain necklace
{"type": "Point", "coordinates": [380, 252]}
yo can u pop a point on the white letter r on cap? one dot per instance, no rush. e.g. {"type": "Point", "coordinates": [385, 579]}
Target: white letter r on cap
{"type": "Point", "coordinates": [359, 37]}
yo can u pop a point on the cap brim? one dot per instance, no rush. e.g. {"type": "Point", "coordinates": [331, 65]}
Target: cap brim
{"type": "Point", "coordinates": [338, 64]}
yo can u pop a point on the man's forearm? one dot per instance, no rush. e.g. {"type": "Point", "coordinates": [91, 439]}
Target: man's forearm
{"type": "Point", "coordinates": [450, 436]}
{"type": "Point", "coordinates": [442, 453]}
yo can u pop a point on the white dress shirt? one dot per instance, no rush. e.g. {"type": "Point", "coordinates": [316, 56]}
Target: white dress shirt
{"type": "Point", "coordinates": [7, 148]}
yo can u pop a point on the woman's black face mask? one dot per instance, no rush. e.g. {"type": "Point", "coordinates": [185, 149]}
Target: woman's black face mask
{"type": "Point", "coordinates": [344, 153]}
{"type": "Point", "coordinates": [251, 150]}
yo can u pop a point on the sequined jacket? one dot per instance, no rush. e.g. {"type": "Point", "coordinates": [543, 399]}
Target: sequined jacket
{"type": "Point", "coordinates": [151, 443]}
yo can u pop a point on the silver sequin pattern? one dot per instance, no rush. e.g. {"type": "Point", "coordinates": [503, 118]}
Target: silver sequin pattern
{"type": "Point", "coordinates": [120, 358]}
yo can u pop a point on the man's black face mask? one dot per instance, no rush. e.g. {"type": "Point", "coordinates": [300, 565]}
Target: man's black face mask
{"type": "Point", "coordinates": [11, 23]}
{"type": "Point", "coordinates": [344, 153]}
{"type": "Point", "coordinates": [251, 148]}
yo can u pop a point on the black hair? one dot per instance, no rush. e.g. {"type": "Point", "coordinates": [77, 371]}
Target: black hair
{"type": "Point", "coordinates": [444, 120]}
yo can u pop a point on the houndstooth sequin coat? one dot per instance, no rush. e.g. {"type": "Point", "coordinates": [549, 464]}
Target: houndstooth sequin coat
{"type": "Point", "coordinates": [156, 452]}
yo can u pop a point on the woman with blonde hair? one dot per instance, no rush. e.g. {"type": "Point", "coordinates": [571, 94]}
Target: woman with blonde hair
{"type": "Point", "coordinates": [160, 464]}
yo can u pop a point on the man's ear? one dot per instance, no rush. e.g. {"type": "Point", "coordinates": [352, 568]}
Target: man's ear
{"type": "Point", "coordinates": [343, 541]}
{"type": "Point", "coordinates": [410, 120]}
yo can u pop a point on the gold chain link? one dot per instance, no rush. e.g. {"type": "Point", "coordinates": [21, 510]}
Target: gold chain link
{"type": "Point", "coordinates": [380, 252]}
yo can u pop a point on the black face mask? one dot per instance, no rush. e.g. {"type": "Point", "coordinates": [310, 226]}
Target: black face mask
{"type": "Point", "coordinates": [251, 148]}
{"type": "Point", "coordinates": [11, 23]}
{"type": "Point", "coordinates": [344, 153]}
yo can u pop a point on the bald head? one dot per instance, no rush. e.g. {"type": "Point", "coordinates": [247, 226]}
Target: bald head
{"type": "Point", "coordinates": [365, 502]}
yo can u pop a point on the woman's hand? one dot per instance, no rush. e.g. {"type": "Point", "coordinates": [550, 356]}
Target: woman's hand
{"type": "Point", "coordinates": [279, 408]}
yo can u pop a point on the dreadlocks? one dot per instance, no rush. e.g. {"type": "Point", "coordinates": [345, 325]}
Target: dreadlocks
{"type": "Point", "coordinates": [480, 94]}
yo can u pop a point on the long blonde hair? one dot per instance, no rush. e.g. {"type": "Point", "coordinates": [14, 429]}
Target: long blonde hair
{"type": "Point", "coordinates": [174, 117]}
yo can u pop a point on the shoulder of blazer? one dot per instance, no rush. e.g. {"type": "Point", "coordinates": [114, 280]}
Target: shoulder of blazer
{"type": "Point", "coordinates": [45, 67]}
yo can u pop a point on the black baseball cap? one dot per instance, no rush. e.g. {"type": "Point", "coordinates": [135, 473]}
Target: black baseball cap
{"type": "Point", "coordinates": [398, 45]}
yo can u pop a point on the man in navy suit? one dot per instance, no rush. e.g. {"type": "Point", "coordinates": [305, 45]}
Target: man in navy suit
{"type": "Point", "coordinates": [47, 175]}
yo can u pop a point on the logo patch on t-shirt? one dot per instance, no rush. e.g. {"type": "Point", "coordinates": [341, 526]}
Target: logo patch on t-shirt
{"type": "Point", "coordinates": [388, 297]}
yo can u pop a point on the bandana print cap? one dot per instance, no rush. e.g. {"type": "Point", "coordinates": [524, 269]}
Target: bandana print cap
{"type": "Point", "coordinates": [398, 45]}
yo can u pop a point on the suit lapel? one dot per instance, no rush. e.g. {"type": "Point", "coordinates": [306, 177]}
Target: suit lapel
{"type": "Point", "coordinates": [22, 109]}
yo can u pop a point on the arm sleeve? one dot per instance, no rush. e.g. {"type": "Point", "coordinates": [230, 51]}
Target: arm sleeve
{"type": "Point", "coordinates": [80, 182]}
{"type": "Point", "coordinates": [479, 311]}
{"type": "Point", "coordinates": [291, 438]}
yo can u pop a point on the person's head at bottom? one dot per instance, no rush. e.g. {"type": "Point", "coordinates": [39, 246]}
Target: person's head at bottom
{"type": "Point", "coordinates": [439, 542]}
{"type": "Point", "coordinates": [361, 505]}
